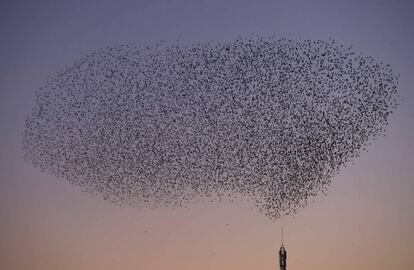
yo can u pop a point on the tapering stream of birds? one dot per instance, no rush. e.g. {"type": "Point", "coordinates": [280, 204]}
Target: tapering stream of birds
{"type": "Point", "coordinates": [270, 119]}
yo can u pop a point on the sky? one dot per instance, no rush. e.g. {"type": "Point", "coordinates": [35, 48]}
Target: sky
{"type": "Point", "coordinates": [364, 222]}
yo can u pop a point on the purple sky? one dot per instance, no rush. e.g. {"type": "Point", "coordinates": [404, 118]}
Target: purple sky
{"type": "Point", "coordinates": [365, 221]}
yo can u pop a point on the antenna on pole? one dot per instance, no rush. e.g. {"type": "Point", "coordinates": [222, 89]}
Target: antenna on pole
{"type": "Point", "coordinates": [282, 255]}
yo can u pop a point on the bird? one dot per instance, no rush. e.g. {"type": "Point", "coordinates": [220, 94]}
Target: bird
{"type": "Point", "coordinates": [269, 119]}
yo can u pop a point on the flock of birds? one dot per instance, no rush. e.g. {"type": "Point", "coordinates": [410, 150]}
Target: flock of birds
{"type": "Point", "coordinates": [272, 120]}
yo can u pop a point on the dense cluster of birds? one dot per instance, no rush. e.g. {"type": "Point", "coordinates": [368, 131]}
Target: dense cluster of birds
{"type": "Point", "coordinates": [272, 120]}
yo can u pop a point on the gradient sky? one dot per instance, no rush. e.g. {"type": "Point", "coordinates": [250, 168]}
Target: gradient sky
{"type": "Point", "coordinates": [365, 222]}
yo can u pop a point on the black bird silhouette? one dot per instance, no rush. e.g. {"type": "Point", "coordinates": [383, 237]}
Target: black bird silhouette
{"type": "Point", "coordinates": [270, 119]}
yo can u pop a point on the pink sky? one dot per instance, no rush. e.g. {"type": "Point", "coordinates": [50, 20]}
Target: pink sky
{"type": "Point", "coordinates": [364, 222]}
